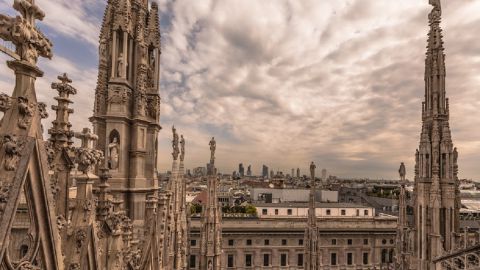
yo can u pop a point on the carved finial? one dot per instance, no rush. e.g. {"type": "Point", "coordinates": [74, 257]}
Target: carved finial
{"type": "Point", "coordinates": [176, 151]}
{"type": "Point", "coordinates": [86, 136]}
{"type": "Point", "coordinates": [182, 148]}
{"type": "Point", "coordinates": [30, 43]}
{"type": "Point", "coordinates": [64, 78]}
{"type": "Point", "coordinates": [86, 156]}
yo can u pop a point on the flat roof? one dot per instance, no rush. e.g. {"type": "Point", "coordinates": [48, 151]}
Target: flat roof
{"type": "Point", "coordinates": [317, 205]}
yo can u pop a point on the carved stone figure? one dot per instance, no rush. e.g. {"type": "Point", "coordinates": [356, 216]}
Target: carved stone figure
{"type": "Point", "coordinates": [182, 148]}
{"type": "Point", "coordinates": [42, 109]}
{"type": "Point", "coordinates": [120, 66]}
{"type": "Point", "coordinates": [117, 96]}
{"type": "Point", "coordinates": [25, 108]}
{"type": "Point", "coordinates": [103, 49]}
{"type": "Point", "coordinates": [312, 170]}
{"type": "Point", "coordinates": [5, 102]}
{"type": "Point", "coordinates": [4, 190]}
{"type": "Point", "coordinates": [176, 150]}
{"type": "Point", "coordinates": [113, 153]}
{"type": "Point", "coordinates": [11, 152]}
{"type": "Point", "coordinates": [213, 147]}
{"type": "Point", "coordinates": [402, 171]}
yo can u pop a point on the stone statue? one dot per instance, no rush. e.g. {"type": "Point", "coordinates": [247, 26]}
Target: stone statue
{"type": "Point", "coordinates": [402, 172]}
{"type": "Point", "coordinates": [152, 60]}
{"type": "Point", "coordinates": [103, 49]}
{"type": "Point", "coordinates": [182, 148]}
{"type": "Point", "coordinates": [213, 146]}
{"type": "Point", "coordinates": [176, 151]}
{"type": "Point", "coordinates": [312, 170]}
{"type": "Point", "coordinates": [113, 153]}
{"type": "Point", "coordinates": [120, 66]}
{"type": "Point", "coordinates": [455, 155]}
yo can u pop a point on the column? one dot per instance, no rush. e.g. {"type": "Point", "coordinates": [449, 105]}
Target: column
{"type": "Point", "coordinates": [114, 55]}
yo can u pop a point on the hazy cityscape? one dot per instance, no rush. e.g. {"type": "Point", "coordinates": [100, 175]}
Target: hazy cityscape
{"type": "Point", "coordinates": [121, 188]}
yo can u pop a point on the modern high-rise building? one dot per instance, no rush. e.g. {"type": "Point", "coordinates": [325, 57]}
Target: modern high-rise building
{"type": "Point", "coordinates": [241, 170]}
{"type": "Point", "coordinates": [249, 170]}
{"type": "Point", "coordinates": [264, 171]}
{"type": "Point", "coordinates": [324, 175]}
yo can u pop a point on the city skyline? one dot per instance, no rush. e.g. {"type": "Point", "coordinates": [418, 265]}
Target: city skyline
{"type": "Point", "coordinates": [308, 83]}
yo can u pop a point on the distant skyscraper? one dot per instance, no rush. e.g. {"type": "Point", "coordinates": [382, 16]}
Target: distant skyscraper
{"type": "Point", "coordinates": [249, 170]}
{"type": "Point", "coordinates": [241, 170]}
{"type": "Point", "coordinates": [324, 175]}
{"type": "Point", "coordinates": [298, 172]}
{"type": "Point", "coordinates": [272, 174]}
{"type": "Point", "coordinates": [293, 173]}
{"type": "Point", "coordinates": [265, 171]}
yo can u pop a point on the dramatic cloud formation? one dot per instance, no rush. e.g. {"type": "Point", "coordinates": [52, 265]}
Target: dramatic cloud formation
{"type": "Point", "coordinates": [282, 83]}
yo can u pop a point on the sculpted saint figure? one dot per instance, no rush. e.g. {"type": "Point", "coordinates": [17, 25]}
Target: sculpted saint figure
{"type": "Point", "coordinates": [182, 147]}
{"type": "Point", "coordinates": [402, 171]}
{"type": "Point", "coordinates": [113, 149]}
{"type": "Point", "coordinates": [213, 146]}
{"type": "Point", "coordinates": [120, 65]}
{"type": "Point", "coordinates": [176, 150]}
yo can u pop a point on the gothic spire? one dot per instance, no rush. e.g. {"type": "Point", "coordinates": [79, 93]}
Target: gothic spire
{"type": "Point", "coordinates": [211, 232]}
{"type": "Point", "coordinates": [61, 135]}
{"type": "Point", "coordinates": [107, 20]}
{"type": "Point", "coordinates": [435, 98]}
{"type": "Point", "coordinates": [311, 234]}
{"type": "Point", "coordinates": [436, 183]}
{"type": "Point", "coordinates": [153, 27]}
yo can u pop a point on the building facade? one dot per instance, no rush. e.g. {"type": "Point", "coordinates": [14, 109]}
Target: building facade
{"type": "Point", "coordinates": [276, 241]}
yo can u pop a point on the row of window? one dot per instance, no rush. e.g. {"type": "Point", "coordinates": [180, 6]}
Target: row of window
{"type": "Point", "coordinates": [266, 242]}
{"type": "Point", "coordinates": [328, 212]}
{"type": "Point", "coordinates": [249, 261]}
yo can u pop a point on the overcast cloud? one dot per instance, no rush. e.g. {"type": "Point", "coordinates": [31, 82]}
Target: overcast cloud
{"type": "Point", "coordinates": [282, 83]}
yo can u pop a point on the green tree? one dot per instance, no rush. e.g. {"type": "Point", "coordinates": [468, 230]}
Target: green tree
{"type": "Point", "coordinates": [250, 209]}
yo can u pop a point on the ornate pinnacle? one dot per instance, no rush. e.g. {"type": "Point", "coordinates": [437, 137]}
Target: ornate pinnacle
{"type": "Point", "coordinates": [103, 204]}
{"type": "Point", "coordinates": [60, 132]}
{"type": "Point", "coordinates": [176, 151]}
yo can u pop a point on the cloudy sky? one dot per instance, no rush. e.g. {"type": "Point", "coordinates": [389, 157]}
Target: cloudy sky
{"type": "Point", "coordinates": [285, 82]}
